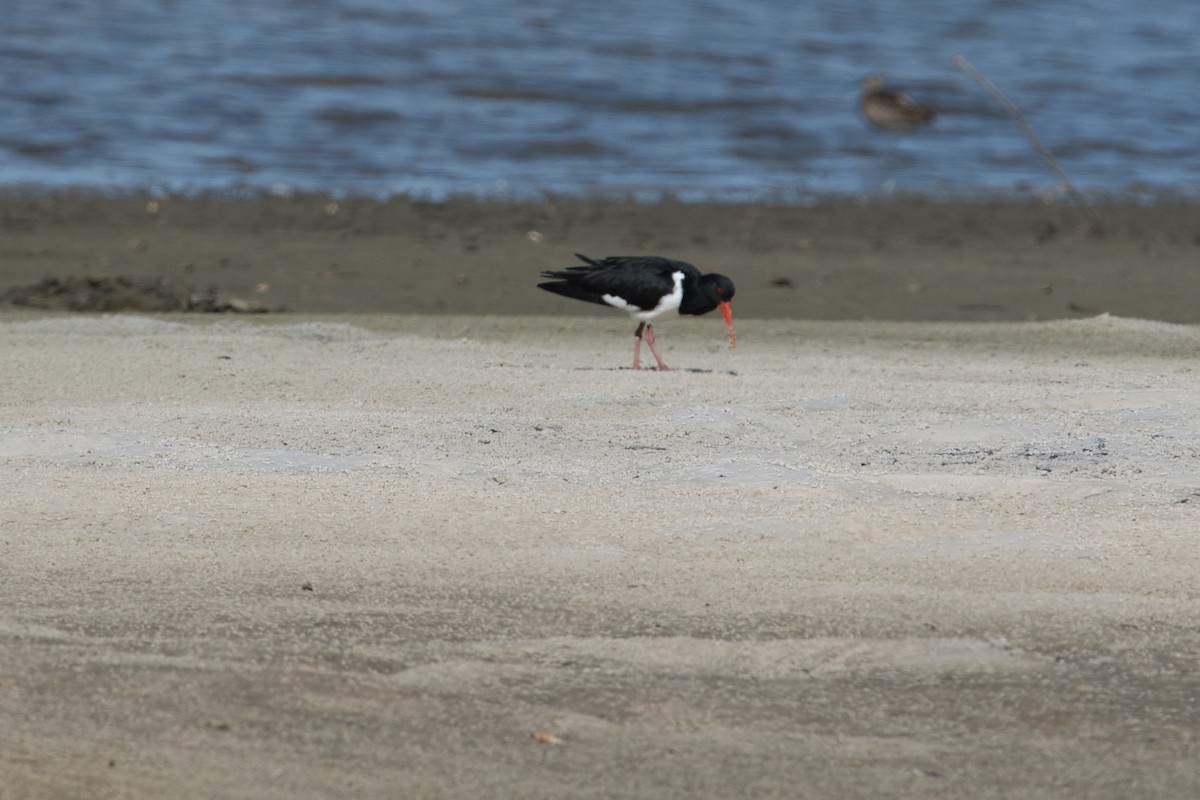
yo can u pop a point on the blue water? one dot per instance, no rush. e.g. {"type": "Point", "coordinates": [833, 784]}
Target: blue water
{"type": "Point", "coordinates": [707, 99]}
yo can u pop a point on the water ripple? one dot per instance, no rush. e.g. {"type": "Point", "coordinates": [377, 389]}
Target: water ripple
{"type": "Point", "coordinates": [729, 99]}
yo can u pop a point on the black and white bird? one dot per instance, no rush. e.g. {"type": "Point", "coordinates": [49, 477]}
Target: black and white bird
{"type": "Point", "coordinates": [892, 109]}
{"type": "Point", "coordinates": [649, 288]}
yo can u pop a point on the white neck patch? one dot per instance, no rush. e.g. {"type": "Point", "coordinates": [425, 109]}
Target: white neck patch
{"type": "Point", "coordinates": [668, 305]}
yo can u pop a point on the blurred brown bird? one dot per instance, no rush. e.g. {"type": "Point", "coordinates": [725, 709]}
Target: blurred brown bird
{"type": "Point", "coordinates": [892, 109]}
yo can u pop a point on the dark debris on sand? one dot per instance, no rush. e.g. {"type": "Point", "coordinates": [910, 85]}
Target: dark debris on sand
{"type": "Point", "coordinates": [125, 293]}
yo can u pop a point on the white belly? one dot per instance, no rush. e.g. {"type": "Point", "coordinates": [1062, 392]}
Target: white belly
{"type": "Point", "coordinates": [668, 306]}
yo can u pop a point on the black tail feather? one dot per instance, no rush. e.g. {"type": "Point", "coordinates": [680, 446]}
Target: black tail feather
{"type": "Point", "coordinates": [568, 290]}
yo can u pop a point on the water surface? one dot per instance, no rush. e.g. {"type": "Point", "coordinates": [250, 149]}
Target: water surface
{"type": "Point", "coordinates": [714, 98]}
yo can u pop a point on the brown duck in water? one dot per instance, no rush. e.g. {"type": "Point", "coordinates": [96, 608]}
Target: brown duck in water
{"type": "Point", "coordinates": [892, 109]}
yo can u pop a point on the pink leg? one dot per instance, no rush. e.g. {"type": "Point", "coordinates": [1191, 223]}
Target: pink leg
{"type": "Point", "coordinates": [637, 346]}
{"type": "Point", "coordinates": [662, 365]}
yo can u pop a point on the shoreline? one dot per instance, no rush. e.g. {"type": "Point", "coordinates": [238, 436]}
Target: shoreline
{"type": "Point", "coordinates": [897, 259]}
{"type": "Point", "coordinates": [1025, 192]}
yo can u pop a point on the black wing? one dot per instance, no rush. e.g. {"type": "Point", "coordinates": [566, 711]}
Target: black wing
{"type": "Point", "coordinates": [638, 280]}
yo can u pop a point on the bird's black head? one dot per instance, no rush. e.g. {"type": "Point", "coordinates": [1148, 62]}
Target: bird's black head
{"type": "Point", "coordinates": [714, 290]}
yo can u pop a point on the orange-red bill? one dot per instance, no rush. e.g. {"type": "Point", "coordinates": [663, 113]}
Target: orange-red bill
{"type": "Point", "coordinates": [728, 315]}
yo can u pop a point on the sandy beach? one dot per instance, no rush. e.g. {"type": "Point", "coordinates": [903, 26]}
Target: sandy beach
{"type": "Point", "coordinates": [377, 556]}
{"type": "Point", "coordinates": [400, 554]}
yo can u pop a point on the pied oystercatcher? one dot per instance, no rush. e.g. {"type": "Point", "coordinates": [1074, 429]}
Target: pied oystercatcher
{"type": "Point", "coordinates": [649, 288]}
{"type": "Point", "coordinates": [891, 109]}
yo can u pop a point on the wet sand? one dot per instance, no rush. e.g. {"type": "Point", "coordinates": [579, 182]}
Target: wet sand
{"type": "Point", "coordinates": [908, 259]}
{"type": "Point", "coordinates": [459, 555]}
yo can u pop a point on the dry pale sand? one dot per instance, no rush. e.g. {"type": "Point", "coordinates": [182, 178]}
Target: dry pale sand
{"type": "Point", "coordinates": [375, 556]}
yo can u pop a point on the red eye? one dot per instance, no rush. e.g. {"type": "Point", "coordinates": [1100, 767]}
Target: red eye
{"type": "Point", "coordinates": [720, 290]}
